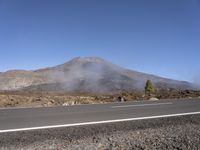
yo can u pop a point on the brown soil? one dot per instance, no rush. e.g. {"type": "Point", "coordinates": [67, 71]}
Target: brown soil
{"type": "Point", "coordinates": [45, 99]}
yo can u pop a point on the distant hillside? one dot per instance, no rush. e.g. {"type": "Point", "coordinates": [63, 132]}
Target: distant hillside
{"type": "Point", "coordinates": [90, 74]}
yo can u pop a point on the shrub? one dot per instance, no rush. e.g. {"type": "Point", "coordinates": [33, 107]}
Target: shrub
{"type": "Point", "coordinates": [149, 88]}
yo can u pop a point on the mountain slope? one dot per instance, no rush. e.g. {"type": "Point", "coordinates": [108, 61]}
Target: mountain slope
{"type": "Point", "coordinates": [90, 74]}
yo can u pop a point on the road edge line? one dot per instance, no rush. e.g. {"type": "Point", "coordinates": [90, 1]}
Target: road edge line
{"type": "Point", "coordinates": [97, 122]}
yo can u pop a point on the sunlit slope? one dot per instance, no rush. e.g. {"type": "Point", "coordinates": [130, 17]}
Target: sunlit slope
{"type": "Point", "coordinates": [90, 74]}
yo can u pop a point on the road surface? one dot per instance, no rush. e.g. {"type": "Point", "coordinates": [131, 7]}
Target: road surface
{"type": "Point", "coordinates": [22, 119]}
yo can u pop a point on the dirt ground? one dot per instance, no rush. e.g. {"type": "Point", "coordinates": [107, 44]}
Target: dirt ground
{"type": "Point", "coordinates": [46, 99]}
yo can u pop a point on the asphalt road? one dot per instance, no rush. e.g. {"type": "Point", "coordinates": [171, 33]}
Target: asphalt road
{"type": "Point", "coordinates": [20, 119]}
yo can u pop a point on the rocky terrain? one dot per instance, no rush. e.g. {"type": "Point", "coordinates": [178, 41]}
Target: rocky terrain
{"type": "Point", "coordinates": [86, 75]}
{"type": "Point", "coordinates": [48, 99]}
{"type": "Point", "coordinates": [89, 81]}
{"type": "Point", "coordinates": [177, 133]}
{"type": "Point", "coordinates": [84, 81]}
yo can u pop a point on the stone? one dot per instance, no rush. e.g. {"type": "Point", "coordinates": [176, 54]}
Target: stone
{"type": "Point", "coordinates": [153, 99]}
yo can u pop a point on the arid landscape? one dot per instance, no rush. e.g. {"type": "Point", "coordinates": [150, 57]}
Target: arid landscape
{"type": "Point", "coordinates": [86, 80]}
{"type": "Point", "coordinates": [48, 99]}
{"type": "Point", "coordinates": [85, 75]}
{"type": "Point", "coordinates": [93, 80]}
{"type": "Point", "coordinates": [99, 75]}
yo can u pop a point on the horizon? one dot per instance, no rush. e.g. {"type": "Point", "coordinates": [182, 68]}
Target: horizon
{"type": "Point", "coordinates": [86, 58]}
{"type": "Point", "coordinates": [159, 38]}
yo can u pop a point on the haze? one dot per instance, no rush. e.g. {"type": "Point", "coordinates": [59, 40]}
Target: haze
{"type": "Point", "coordinates": [156, 37]}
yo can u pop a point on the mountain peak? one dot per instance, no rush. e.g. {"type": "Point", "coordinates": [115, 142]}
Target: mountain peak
{"type": "Point", "coordinates": [86, 59]}
{"type": "Point", "coordinates": [79, 61]}
{"type": "Point", "coordinates": [85, 74]}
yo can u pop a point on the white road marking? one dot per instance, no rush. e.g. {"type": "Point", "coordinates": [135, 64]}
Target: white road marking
{"type": "Point", "coordinates": [97, 122]}
{"type": "Point", "coordinates": [140, 105]}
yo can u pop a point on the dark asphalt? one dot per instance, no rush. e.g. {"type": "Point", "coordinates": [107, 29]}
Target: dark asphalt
{"type": "Point", "coordinates": [37, 117]}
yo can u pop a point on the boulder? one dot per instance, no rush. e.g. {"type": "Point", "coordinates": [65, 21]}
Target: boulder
{"type": "Point", "coordinates": [153, 99]}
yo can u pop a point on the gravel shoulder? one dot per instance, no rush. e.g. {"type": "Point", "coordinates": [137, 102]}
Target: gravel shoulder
{"type": "Point", "coordinates": [165, 133]}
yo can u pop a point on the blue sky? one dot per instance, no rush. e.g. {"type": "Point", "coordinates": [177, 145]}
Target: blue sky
{"type": "Point", "coordinates": [157, 37]}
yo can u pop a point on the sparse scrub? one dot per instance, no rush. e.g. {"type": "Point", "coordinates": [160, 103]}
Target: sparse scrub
{"type": "Point", "coordinates": [40, 99]}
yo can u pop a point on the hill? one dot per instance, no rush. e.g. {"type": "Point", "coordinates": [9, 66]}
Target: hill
{"type": "Point", "coordinates": [89, 74]}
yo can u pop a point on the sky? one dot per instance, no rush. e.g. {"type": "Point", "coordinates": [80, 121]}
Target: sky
{"type": "Point", "coordinates": [156, 37]}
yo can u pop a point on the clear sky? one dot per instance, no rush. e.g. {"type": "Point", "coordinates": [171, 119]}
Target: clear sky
{"type": "Point", "coordinates": [159, 37]}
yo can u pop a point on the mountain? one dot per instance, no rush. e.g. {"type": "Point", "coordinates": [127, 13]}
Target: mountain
{"type": "Point", "coordinates": [89, 74]}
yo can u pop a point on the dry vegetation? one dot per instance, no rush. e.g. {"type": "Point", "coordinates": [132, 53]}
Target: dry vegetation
{"type": "Point", "coordinates": [45, 99]}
